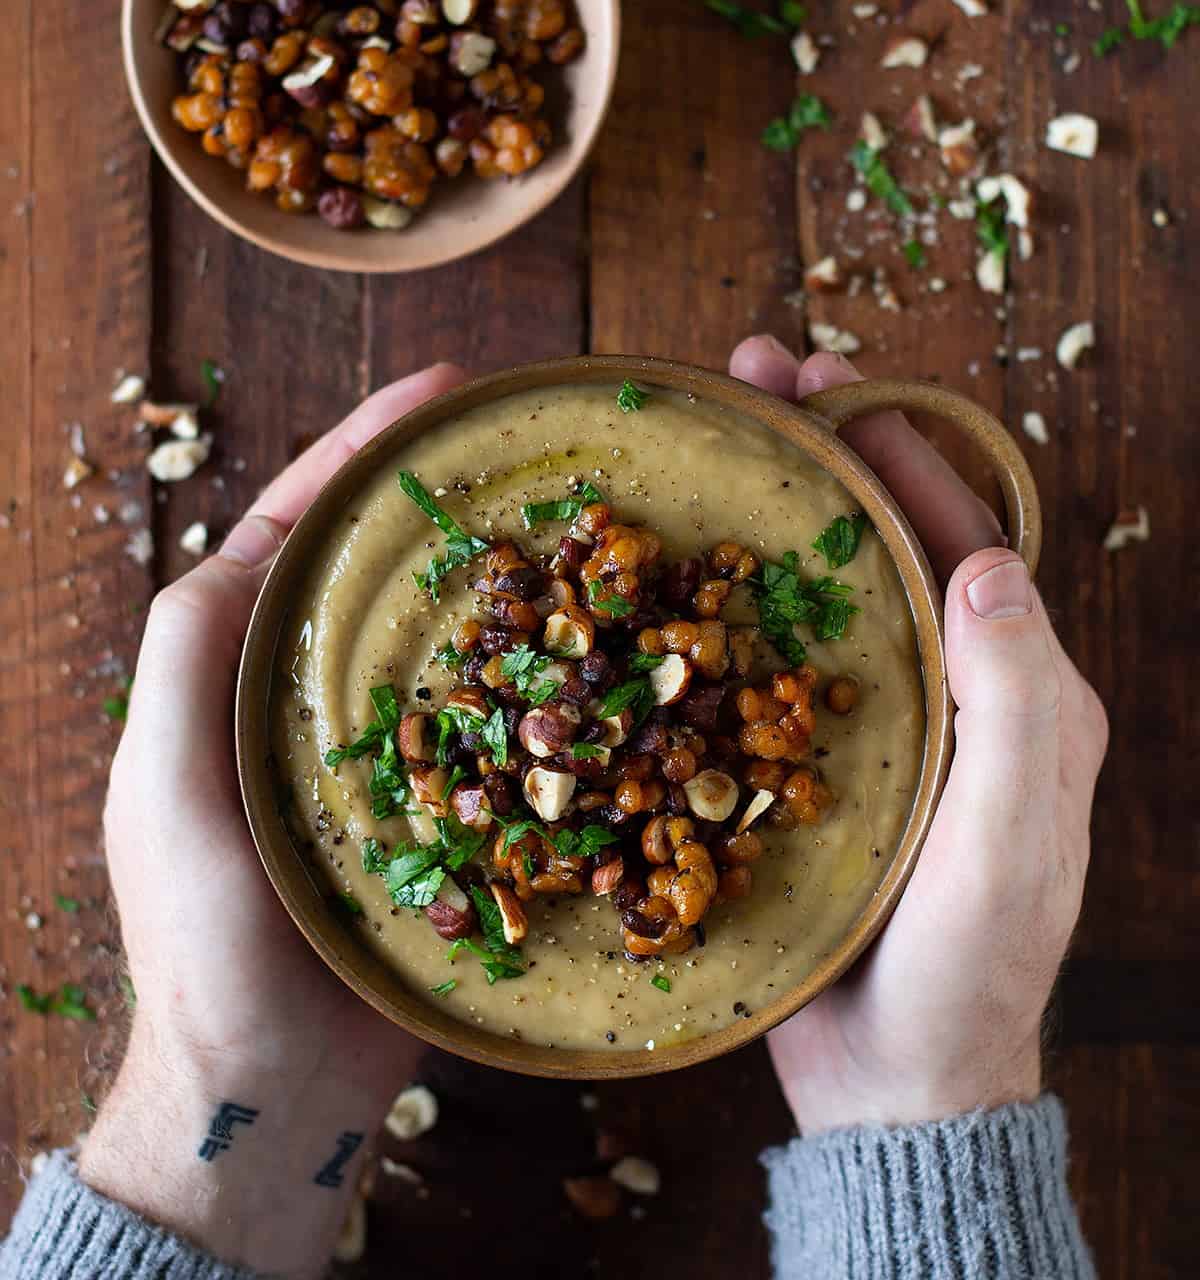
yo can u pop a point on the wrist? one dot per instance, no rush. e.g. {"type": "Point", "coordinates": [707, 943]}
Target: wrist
{"type": "Point", "coordinates": [254, 1167]}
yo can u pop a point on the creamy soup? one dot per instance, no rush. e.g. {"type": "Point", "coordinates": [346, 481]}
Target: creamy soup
{"type": "Point", "coordinates": [697, 475]}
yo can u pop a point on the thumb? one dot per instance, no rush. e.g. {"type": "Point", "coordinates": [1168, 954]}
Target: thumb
{"type": "Point", "coordinates": [1003, 676]}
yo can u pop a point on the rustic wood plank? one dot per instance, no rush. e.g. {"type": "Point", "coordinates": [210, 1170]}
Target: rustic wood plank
{"type": "Point", "coordinates": [75, 273]}
{"type": "Point", "coordinates": [1122, 434]}
{"type": "Point", "coordinates": [692, 222]}
{"type": "Point", "coordinates": [287, 339]}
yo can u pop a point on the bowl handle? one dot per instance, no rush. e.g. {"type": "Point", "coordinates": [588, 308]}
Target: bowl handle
{"type": "Point", "coordinates": [840, 405]}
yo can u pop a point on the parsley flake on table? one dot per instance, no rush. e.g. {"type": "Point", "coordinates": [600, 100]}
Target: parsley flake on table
{"type": "Point", "coordinates": [70, 905]}
{"type": "Point", "coordinates": [566, 509]}
{"type": "Point", "coordinates": [755, 22]}
{"type": "Point", "coordinates": [806, 112]}
{"type": "Point", "coordinates": [914, 254]}
{"type": "Point", "coordinates": [631, 397]}
{"type": "Point", "coordinates": [879, 180]}
{"type": "Point", "coordinates": [838, 541]}
{"type": "Point", "coordinates": [461, 547]}
{"type": "Point", "coordinates": [214, 380]}
{"type": "Point", "coordinates": [785, 601]}
{"type": "Point", "coordinates": [70, 1001]}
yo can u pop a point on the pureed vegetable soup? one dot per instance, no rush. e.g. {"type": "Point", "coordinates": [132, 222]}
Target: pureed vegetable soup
{"type": "Point", "coordinates": [625, 775]}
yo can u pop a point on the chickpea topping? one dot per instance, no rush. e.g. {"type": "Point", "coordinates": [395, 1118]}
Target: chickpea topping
{"type": "Point", "coordinates": [711, 598]}
{"type": "Point", "coordinates": [738, 849]}
{"type": "Point", "coordinates": [679, 765]}
{"type": "Point", "coordinates": [466, 636]}
{"type": "Point", "coordinates": [841, 697]}
{"type": "Point", "coordinates": [734, 882]}
{"type": "Point", "coordinates": [650, 641]}
{"type": "Point", "coordinates": [679, 636]}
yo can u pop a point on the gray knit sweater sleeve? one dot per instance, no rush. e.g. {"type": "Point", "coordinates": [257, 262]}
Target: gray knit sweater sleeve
{"type": "Point", "coordinates": [66, 1231]}
{"type": "Point", "coordinates": [979, 1197]}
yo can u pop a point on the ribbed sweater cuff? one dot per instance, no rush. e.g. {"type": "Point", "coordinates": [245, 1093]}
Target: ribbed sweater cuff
{"type": "Point", "coordinates": [980, 1195]}
{"type": "Point", "coordinates": [64, 1230]}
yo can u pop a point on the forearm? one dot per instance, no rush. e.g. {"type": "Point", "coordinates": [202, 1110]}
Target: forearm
{"type": "Point", "coordinates": [255, 1169]}
{"type": "Point", "coordinates": [979, 1195]}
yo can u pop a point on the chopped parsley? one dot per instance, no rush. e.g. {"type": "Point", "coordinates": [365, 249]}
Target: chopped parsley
{"type": "Point", "coordinates": [351, 904]}
{"type": "Point", "coordinates": [646, 661]}
{"type": "Point", "coordinates": [374, 856]}
{"type": "Point", "coordinates": [461, 547]}
{"type": "Point", "coordinates": [806, 112]}
{"type": "Point", "coordinates": [914, 253]}
{"type": "Point", "coordinates": [753, 22]}
{"type": "Point", "coordinates": [586, 750]}
{"type": "Point", "coordinates": [534, 513]}
{"type": "Point", "coordinates": [452, 720]}
{"type": "Point", "coordinates": [461, 843]}
{"type": "Point", "coordinates": [389, 786]}
{"type": "Point", "coordinates": [495, 735]}
{"type": "Point", "coordinates": [523, 666]}
{"type": "Point", "coordinates": [413, 873]}
{"type": "Point", "coordinates": [508, 963]}
{"type": "Point", "coordinates": [1166, 29]}
{"type": "Point", "coordinates": [214, 379]}
{"type": "Point", "coordinates": [449, 657]}
{"type": "Point", "coordinates": [614, 605]}
{"type": "Point", "coordinates": [387, 711]}
{"type": "Point", "coordinates": [64, 903]}
{"type": "Point", "coordinates": [585, 843]}
{"type": "Point", "coordinates": [457, 774]}
{"type": "Point", "coordinates": [514, 831]}
{"type": "Point", "coordinates": [116, 707]}
{"type": "Point", "coordinates": [662, 982]}
{"type": "Point", "coordinates": [784, 601]}
{"type": "Point", "coordinates": [991, 227]}
{"type": "Point", "coordinates": [444, 988]}
{"type": "Point", "coordinates": [879, 180]}
{"type": "Point", "coordinates": [491, 922]}
{"type": "Point", "coordinates": [70, 1001]}
{"type": "Point", "coordinates": [636, 694]}
{"type": "Point", "coordinates": [838, 542]}
{"type": "Point", "coordinates": [1108, 40]}
{"type": "Point", "coordinates": [631, 398]}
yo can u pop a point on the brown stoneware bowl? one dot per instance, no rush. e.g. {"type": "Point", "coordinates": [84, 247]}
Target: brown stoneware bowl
{"type": "Point", "coordinates": [461, 217]}
{"type": "Point", "coordinates": [811, 427]}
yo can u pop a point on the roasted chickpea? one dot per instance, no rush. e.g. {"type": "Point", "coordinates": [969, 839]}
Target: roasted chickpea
{"type": "Point", "coordinates": [841, 697]}
{"type": "Point", "coordinates": [466, 636]}
{"type": "Point", "coordinates": [198, 112]}
{"type": "Point", "coordinates": [566, 47]}
{"type": "Point", "coordinates": [342, 167]}
{"type": "Point", "coordinates": [679, 636]}
{"type": "Point", "coordinates": [638, 768]}
{"type": "Point", "coordinates": [451, 156]}
{"type": "Point", "coordinates": [679, 765]}
{"type": "Point", "coordinates": [711, 598]}
{"type": "Point", "coordinates": [766, 775]}
{"type": "Point", "coordinates": [734, 882]}
{"type": "Point", "coordinates": [739, 849]}
{"type": "Point", "coordinates": [650, 641]}
{"type": "Point", "coordinates": [710, 653]}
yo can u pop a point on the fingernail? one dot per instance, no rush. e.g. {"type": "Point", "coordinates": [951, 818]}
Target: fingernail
{"type": "Point", "coordinates": [253, 541]}
{"type": "Point", "coordinates": [773, 342]}
{"type": "Point", "coordinates": [1002, 592]}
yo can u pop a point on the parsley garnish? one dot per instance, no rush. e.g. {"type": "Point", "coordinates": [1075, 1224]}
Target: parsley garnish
{"type": "Point", "coordinates": [449, 657]}
{"type": "Point", "coordinates": [457, 774]}
{"type": "Point", "coordinates": [523, 666]}
{"type": "Point", "coordinates": [374, 856]}
{"type": "Point", "coordinates": [662, 982]}
{"type": "Point", "coordinates": [838, 542]}
{"type": "Point", "coordinates": [586, 750]}
{"type": "Point", "coordinates": [507, 963]}
{"type": "Point", "coordinates": [388, 785]}
{"type": "Point", "coordinates": [784, 600]}
{"type": "Point", "coordinates": [352, 904]}
{"type": "Point", "coordinates": [214, 379]}
{"type": "Point", "coordinates": [491, 922]}
{"type": "Point", "coordinates": [495, 735]}
{"type": "Point", "coordinates": [631, 398]}
{"type": "Point", "coordinates": [1108, 40]}
{"type": "Point", "coordinates": [66, 904]}
{"type": "Point", "coordinates": [879, 181]}
{"type": "Point", "coordinates": [413, 877]}
{"type": "Point", "coordinates": [646, 661]}
{"type": "Point", "coordinates": [533, 513]}
{"type": "Point", "coordinates": [990, 226]}
{"type": "Point", "coordinates": [387, 711]}
{"type": "Point", "coordinates": [461, 546]}
{"type": "Point", "coordinates": [753, 23]}
{"type": "Point", "coordinates": [806, 112]}
{"type": "Point", "coordinates": [452, 720]}
{"type": "Point", "coordinates": [444, 988]}
{"type": "Point", "coordinates": [635, 694]}
{"type": "Point", "coordinates": [915, 254]}
{"type": "Point", "coordinates": [614, 605]}
{"type": "Point", "coordinates": [68, 1002]}
{"type": "Point", "coordinates": [1166, 29]}
{"type": "Point", "coordinates": [116, 707]}
{"type": "Point", "coordinates": [585, 843]}
{"type": "Point", "coordinates": [513, 831]}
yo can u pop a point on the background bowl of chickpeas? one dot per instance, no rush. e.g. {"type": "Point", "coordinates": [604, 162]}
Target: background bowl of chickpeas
{"type": "Point", "coordinates": [385, 136]}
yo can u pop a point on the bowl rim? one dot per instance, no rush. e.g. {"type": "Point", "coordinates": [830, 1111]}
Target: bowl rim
{"type": "Point", "coordinates": [477, 237]}
{"type": "Point", "coordinates": [308, 904]}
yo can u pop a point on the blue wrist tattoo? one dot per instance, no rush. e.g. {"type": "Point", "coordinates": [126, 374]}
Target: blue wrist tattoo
{"type": "Point", "coordinates": [220, 1128]}
{"type": "Point", "coordinates": [331, 1173]}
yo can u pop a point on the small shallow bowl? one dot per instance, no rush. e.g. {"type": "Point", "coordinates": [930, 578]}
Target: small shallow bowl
{"type": "Point", "coordinates": [461, 217]}
{"type": "Point", "coordinates": [812, 427]}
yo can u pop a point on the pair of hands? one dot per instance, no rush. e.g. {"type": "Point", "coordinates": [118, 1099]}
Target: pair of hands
{"type": "Point", "coordinates": [942, 1016]}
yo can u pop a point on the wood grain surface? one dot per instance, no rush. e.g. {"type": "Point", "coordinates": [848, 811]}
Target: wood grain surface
{"type": "Point", "coordinates": [684, 236]}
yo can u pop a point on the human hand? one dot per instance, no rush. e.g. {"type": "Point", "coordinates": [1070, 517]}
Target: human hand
{"type": "Point", "coordinates": [232, 1003]}
{"type": "Point", "coordinates": [943, 1014]}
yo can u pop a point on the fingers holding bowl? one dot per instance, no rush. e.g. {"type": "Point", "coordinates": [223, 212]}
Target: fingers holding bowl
{"type": "Point", "coordinates": [948, 517]}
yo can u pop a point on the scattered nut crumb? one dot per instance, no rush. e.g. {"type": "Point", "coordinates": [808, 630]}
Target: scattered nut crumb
{"type": "Point", "coordinates": [959, 147]}
{"type": "Point", "coordinates": [828, 337]}
{"type": "Point", "coordinates": [972, 8]}
{"type": "Point", "coordinates": [177, 459]}
{"type": "Point", "coordinates": [140, 547]}
{"type": "Point", "coordinates": [129, 387]}
{"type": "Point", "coordinates": [1074, 342]}
{"type": "Point", "coordinates": [1129, 526]}
{"type": "Point", "coordinates": [636, 1175]}
{"type": "Point", "coordinates": [33, 921]}
{"type": "Point", "coordinates": [872, 131]}
{"type": "Point", "coordinates": [1034, 426]}
{"type": "Point", "coordinates": [414, 1112]}
{"type": "Point", "coordinates": [904, 51]}
{"type": "Point", "coordinates": [76, 472]}
{"type": "Point", "coordinates": [1016, 196]}
{"type": "Point", "coordinates": [920, 120]}
{"type": "Point", "coordinates": [352, 1239]}
{"type": "Point", "coordinates": [1160, 218]}
{"type": "Point", "coordinates": [989, 272]}
{"type": "Point", "coordinates": [823, 276]}
{"type": "Point", "coordinates": [805, 53]}
{"type": "Point", "coordinates": [397, 1169]}
{"type": "Point", "coordinates": [596, 1197]}
{"type": "Point", "coordinates": [194, 539]}
{"type": "Point", "coordinates": [1074, 134]}
{"type": "Point", "coordinates": [856, 200]}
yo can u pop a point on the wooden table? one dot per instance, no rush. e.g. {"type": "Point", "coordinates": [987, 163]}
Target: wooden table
{"type": "Point", "coordinates": [685, 235]}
